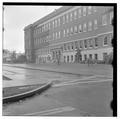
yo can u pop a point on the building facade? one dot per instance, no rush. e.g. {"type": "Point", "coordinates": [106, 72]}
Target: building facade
{"type": "Point", "coordinates": [60, 34]}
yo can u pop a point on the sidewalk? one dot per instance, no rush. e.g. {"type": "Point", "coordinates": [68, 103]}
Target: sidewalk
{"type": "Point", "coordinates": [84, 69]}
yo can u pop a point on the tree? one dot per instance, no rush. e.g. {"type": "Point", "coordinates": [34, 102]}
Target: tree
{"type": "Point", "coordinates": [58, 57]}
{"type": "Point", "coordinates": [13, 56]}
{"type": "Point", "coordinates": [21, 58]}
{"type": "Point", "coordinates": [78, 55]}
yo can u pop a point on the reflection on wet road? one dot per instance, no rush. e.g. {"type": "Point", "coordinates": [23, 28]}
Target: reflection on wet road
{"type": "Point", "coordinates": [26, 77]}
{"type": "Point", "coordinates": [70, 95]}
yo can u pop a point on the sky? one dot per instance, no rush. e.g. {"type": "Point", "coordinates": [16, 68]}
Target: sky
{"type": "Point", "coordinates": [15, 18]}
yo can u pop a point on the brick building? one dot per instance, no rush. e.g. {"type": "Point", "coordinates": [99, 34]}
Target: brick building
{"type": "Point", "coordinates": [61, 33]}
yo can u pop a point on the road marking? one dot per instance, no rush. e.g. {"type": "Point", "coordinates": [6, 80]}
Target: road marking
{"type": "Point", "coordinates": [52, 111]}
{"type": "Point", "coordinates": [86, 78]}
{"type": "Point", "coordinates": [73, 83]}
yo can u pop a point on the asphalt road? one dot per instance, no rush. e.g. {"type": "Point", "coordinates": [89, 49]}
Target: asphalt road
{"type": "Point", "coordinates": [23, 76]}
{"type": "Point", "coordinates": [70, 95]}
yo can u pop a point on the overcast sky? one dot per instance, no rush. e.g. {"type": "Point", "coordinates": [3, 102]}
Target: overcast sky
{"type": "Point", "coordinates": [16, 18]}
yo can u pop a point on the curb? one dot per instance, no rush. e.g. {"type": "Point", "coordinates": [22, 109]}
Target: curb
{"type": "Point", "coordinates": [17, 97]}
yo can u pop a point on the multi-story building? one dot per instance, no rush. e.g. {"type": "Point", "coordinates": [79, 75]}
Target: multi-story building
{"type": "Point", "coordinates": [59, 34]}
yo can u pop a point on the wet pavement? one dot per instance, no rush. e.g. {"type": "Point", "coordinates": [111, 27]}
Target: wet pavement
{"type": "Point", "coordinates": [76, 100]}
{"type": "Point", "coordinates": [27, 77]}
{"type": "Point", "coordinates": [70, 95]}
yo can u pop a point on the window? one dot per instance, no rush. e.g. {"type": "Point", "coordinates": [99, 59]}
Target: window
{"type": "Point", "coordinates": [46, 26]}
{"type": "Point", "coordinates": [104, 19]}
{"type": "Point", "coordinates": [71, 30]}
{"type": "Point", "coordinates": [76, 44]}
{"type": "Point", "coordinates": [96, 56]}
{"type": "Point", "coordinates": [89, 26]}
{"type": "Point", "coordinates": [71, 57]}
{"type": "Point", "coordinates": [40, 29]}
{"type": "Point", "coordinates": [67, 32]}
{"type": "Point", "coordinates": [96, 42]}
{"type": "Point", "coordinates": [67, 58]}
{"type": "Point", "coordinates": [95, 24]}
{"type": "Point", "coordinates": [63, 19]}
{"type": "Point", "coordinates": [85, 57]}
{"type": "Point", "coordinates": [59, 22]}
{"type": "Point", "coordinates": [67, 18]}
{"type": "Point", "coordinates": [49, 26]}
{"type": "Point", "coordinates": [71, 16]}
{"type": "Point", "coordinates": [85, 43]}
{"type": "Point", "coordinates": [84, 11]}
{"type": "Point", "coordinates": [111, 17]}
{"type": "Point", "coordinates": [35, 42]}
{"type": "Point", "coordinates": [94, 9]}
{"type": "Point", "coordinates": [56, 35]}
{"type": "Point", "coordinates": [64, 46]}
{"type": "Point", "coordinates": [43, 28]}
{"type": "Point", "coordinates": [90, 56]}
{"type": "Point", "coordinates": [105, 40]}
{"type": "Point", "coordinates": [80, 44]}
{"type": "Point", "coordinates": [53, 24]}
{"type": "Point", "coordinates": [80, 28]}
{"type": "Point", "coordinates": [84, 27]}
{"type": "Point", "coordinates": [72, 46]}
{"type": "Point", "coordinates": [64, 32]}
{"type": "Point", "coordinates": [89, 9]}
{"type": "Point", "coordinates": [56, 23]}
{"type": "Point", "coordinates": [75, 29]}
{"type": "Point", "coordinates": [59, 34]}
{"type": "Point", "coordinates": [53, 36]}
{"type": "Point", "coordinates": [104, 55]}
{"type": "Point", "coordinates": [79, 12]}
{"type": "Point", "coordinates": [90, 43]}
{"type": "Point", "coordinates": [68, 46]}
{"type": "Point", "coordinates": [75, 14]}
{"type": "Point", "coordinates": [111, 37]}
{"type": "Point", "coordinates": [64, 58]}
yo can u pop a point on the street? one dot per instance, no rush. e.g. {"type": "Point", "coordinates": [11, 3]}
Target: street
{"type": "Point", "coordinates": [70, 95]}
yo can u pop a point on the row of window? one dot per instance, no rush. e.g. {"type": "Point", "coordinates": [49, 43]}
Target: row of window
{"type": "Point", "coordinates": [80, 44]}
{"type": "Point", "coordinates": [80, 28]}
{"type": "Point", "coordinates": [69, 17]}
{"type": "Point", "coordinates": [74, 29]}
{"type": "Point", "coordinates": [73, 15]}
{"type": "Point", "coordinates": [89, 43]}
{"type": "Point", "coordinates": [71, 58]}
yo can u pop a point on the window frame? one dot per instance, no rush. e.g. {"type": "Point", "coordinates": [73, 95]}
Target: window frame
{"type": "Point", "coordinates": [96, 41]}
{"type": "Point", "coordinates": [90, 26]}
{"type": "Point", "coordinates": [84, 27]}
{"type": "Point", "coordinates": [84, 10]}
{"type": "Point", "coordinates": [104, 19]}
{"type": "Point", "coordinates": [105, 43]}
{"type": "Point", "coordinates": [85, 44]}
{"type": "Point", "coordinates": [95, 24]}
{"type": "Point", "coordinates": [89, 9]}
